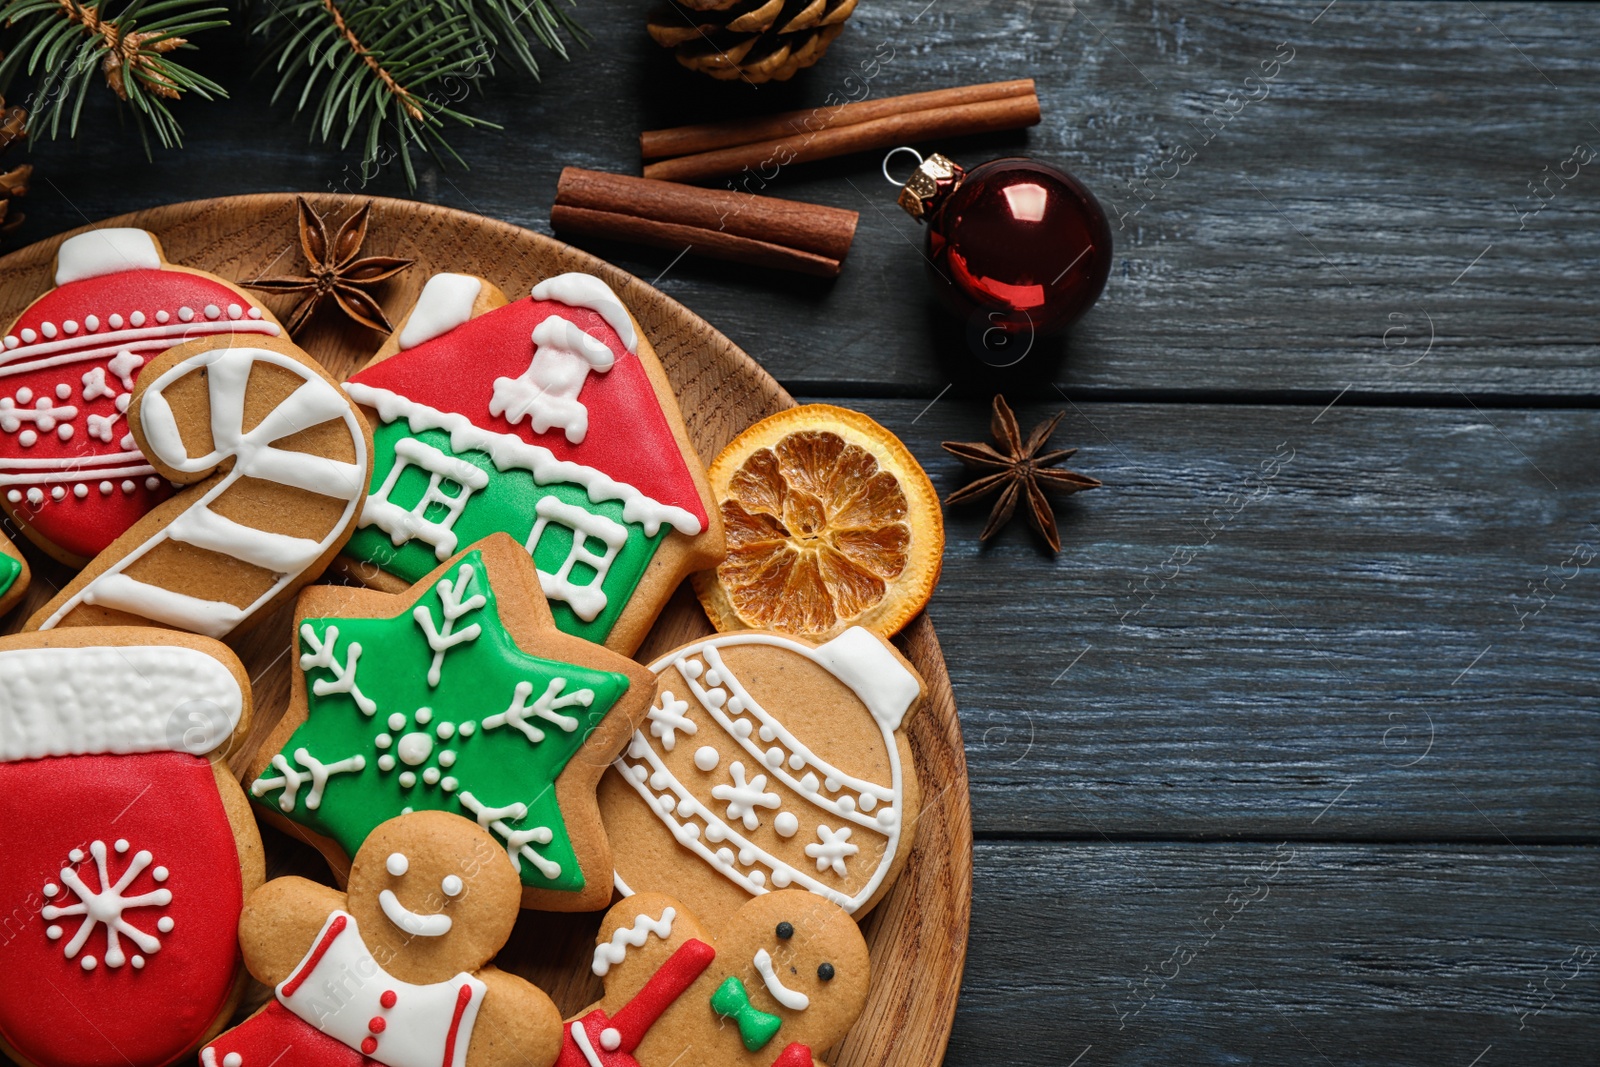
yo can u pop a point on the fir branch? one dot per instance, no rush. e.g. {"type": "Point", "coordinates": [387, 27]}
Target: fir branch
{"type": "Point", "coordinates": [370, 68]}
{"type": "Point", "coordinates": [67, 43]}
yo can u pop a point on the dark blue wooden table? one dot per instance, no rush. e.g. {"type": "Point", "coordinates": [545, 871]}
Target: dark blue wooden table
{"type": "Point", "coordinates": [1292, 755]}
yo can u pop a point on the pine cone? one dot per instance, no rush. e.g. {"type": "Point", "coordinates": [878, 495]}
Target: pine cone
{"type": "Point", "coordinates": [755, 40]}
{"type": "Point", "coordinates": [14, 182]}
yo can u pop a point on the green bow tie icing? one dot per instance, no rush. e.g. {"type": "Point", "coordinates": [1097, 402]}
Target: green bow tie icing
{"type": "Point", "coordinates": [437, 708]}
{"type": "Point", "coordinates": [756, 1027]}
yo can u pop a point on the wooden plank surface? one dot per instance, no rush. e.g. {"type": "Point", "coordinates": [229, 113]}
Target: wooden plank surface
{"type": "Point", "coordinates": [1266, 606]}
{"type": "Point", "coordinates": [1345, 955]}
{"type": "Point", "coordinates": [1305, 248]}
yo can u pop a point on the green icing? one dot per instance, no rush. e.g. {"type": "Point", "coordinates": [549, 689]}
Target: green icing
{"type": "Point", "coordinates": [10, 567]}
{"type": "Point", "coordinates": [505, 504]}
{"type": "Point", "coordinates": [756, 1027]}
{"type": "Point", "coordinates": [375, 715]}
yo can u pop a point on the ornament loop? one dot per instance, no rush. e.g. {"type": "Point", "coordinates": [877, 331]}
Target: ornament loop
{"type": "Point", "coordinates": [897, 182]}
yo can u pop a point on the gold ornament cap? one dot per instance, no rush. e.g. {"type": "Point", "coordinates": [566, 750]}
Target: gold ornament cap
{"type": "Point", "coordinates": [934, 177]}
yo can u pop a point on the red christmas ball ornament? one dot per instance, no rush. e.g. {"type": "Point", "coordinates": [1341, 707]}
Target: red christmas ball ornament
{"type": "Point", "coordinates": [1016, 244]}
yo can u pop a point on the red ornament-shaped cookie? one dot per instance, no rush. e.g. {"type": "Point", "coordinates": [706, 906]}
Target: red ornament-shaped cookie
{"type": "Point", "coordinates": [127, 852]}
{"type": "Point", "coordinates": [70, 472]}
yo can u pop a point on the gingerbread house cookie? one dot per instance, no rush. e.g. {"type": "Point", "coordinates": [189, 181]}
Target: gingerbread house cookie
{"type": "Point", "coordinates": [548, 418]}
{"type": "Point", "coordinates": [70, 472]}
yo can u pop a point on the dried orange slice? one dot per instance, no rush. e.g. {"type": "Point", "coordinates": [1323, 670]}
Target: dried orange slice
{"type": "Point", "coordinates": [831, 523]}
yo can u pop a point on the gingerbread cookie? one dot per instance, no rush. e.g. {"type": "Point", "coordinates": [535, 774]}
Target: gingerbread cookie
{"type": "Point", "coordinates": [276, 459]}
{"type": "Point", "coordinates": [129, 847]}
{"type": "Point", "coordinates": [459, 695]}
{"type": "Point", "coordinates": [14, 575]}
{"type": "Point", "coordinates": [70, 471]}
{"type": "Point", "coordinates": [396, 971]}
{"type": "Point", "coordinates": [547, 418]}
{"type": "Point", "coordinates": [783, 980]}
{"type": "Point", "coordinates": [766, 762]}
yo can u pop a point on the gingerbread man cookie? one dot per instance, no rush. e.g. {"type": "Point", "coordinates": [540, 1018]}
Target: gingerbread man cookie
{"type": "Point", "coordinates": [548, 418]}
{"type": "Point", "coordinates": [70, 470]}
{"type": "Point", "coordinates": [275, 459]}
{"type": "Point", "coordinates": [129, 847]}
{"type": "Point", "coordinates": [396, 970]}
{"type": "Point", "coordinates": [783, 980]}
{"type": "Point", "coordinates": [459, 695]}
{"type": "Point", "coordinates": [767, 762]}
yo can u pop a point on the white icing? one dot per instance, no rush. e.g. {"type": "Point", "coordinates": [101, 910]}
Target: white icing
{"type": "Point", "coordinates": [743, 798]}
{"type": "Point", "coordinates": [123, 700]}
{"type": "Point", "coordinates": [706, 758]}
{"type": "Point", "coordinates": [111, 250]}
{"type": "Point", "coordinates": [228, 375]}
{"type": "Point", "coordinates": [445, 303]}
{"type": "Point", "coordinates": [792, 999]}
{"type": "Point", "coordinates": [107, 905]}
{"type": "Point", "coordinates": [546, 708]}
{"type": "Point", "coordinates": [832, 850]}
{"type": "Point", "coordinates": [403, 524]}
{"type": "Point", "coordinates": [452, 604]}
{"type": "Point", "coordinates": [613, 952]}
{"type": "Point", "coordinates": [581, 1038]}
{"type": "Point", "coordinates": [341, 995]}
{"type": "Point", "coordinates": [411, 922]}
{"type": "Point", "coordinates": [316, 772]}
{"type": "Point", "coordinates": [344, 675]}
{"type": "Point", "coordinates": [397, 864]}
{"type": "Point", "coordinates": [859, 659]}
{"type": "Point", "coordinates": [586, 291]}
{"type": "Point", "coordinates": [643, 769]}
{"type": "Point", "coordinates": [518, 842]}
{"type": "Point", "coordinates": [546, 394]}
{"type": "Point", "coordinates": [668, 719]}
{"type": "Point", "coordinates": [512, 453]}
{"type": "Point", "coordinates": [588, 600]}
{"type": "Point", "coordinates": [787, 824]}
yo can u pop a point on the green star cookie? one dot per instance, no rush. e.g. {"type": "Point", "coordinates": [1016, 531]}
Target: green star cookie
{"type": "Point", "coordinates": [440, 707]}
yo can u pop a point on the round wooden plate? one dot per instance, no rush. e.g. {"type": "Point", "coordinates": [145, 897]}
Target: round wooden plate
{"type": "Point", "coordinates": [918, 934]}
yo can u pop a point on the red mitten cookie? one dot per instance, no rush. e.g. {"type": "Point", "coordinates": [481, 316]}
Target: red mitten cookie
{"type": "Point", "coordinates": [70, 471]}
{"type": "Point", "coordinates": [767, 762]}
{"type": "Point", "coordinates": [785, 978]}
{"type": "Point", "coordinates": [548, 418]}
{"type": "Point", "coordinates": [396, 972]}
{"type": "Point", "coordinates": [128, 853]}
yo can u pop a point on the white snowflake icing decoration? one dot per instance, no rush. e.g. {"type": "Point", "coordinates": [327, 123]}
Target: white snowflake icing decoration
{"type": "Point", "coordinates": [743, 798]}
{"type": "Point", "coordinates": [106, 906]}
{"type": "Point", "coordinates": [831, 852]}
{"type": "Point", "coordinates": [669, 719]}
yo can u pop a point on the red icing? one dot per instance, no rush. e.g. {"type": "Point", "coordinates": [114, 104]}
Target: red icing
{"type": "Point", "coordinates": [795, 1055]}
{"type": "Point", "coordinates": [628, 438]}
{"type": "Point", "coordinates": [634, 1019]}
{"type": "Point", "coordinates": [275, 1035]}
{"type": "Point", "coordinates": [369, 1045]}
{"type": "Point", "coordinates": [85, 526]}
{"type": "Point", "coordinates": [331, 934]}
{"type": "Point", "coordinates": [388, 998]}
{"type": "Point", "coordinates": [377, 1025]}
{"type": "Point", "coordinates": [463, 998]}
{"type": "Point", "coordinates": [54, 1012]}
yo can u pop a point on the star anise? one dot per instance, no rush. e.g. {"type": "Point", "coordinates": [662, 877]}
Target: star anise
{"type": "Point", "coordinates": [1021, 472]}
{"type": "Point", "coordinates": [334, 270]}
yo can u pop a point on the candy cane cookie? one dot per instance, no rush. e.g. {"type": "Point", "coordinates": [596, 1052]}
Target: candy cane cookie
{"type": "Point", "coordinates": [275, 460]}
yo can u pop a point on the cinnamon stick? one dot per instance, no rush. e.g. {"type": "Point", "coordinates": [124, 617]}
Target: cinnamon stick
{"type": "Point", "coordinates": [760, 231]}
{"type": "Point", "coordinates": [708, 137]}
{"type": "Point", "coordinates": [726, 148]}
